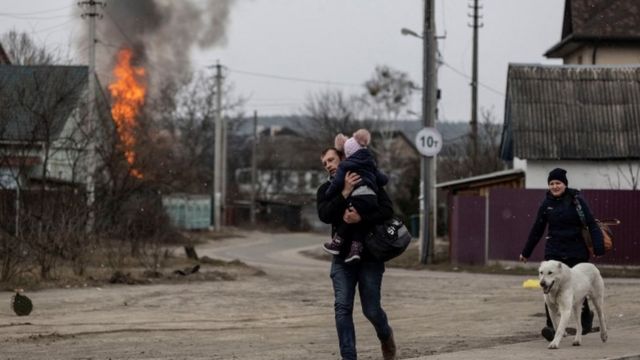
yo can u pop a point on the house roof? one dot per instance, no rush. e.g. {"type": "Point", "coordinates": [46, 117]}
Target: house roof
{"type": "Point", "coordinates": [36, 101]}
{"type": "Point", "coordinates": [483, 180]}
{"type": "Point", "coordinates": [572, 112]}
{"type": "Point", "coordinates": [4, 58]}
{"type": "Point", "coordinates": [589, 21]}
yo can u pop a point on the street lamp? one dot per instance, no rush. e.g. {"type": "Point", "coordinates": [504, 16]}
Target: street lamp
{"type": "Point", "coordinates": [405, 31]}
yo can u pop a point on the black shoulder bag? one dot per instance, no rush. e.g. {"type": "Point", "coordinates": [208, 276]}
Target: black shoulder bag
{"type": "Point", "coordinates": [387, 240]}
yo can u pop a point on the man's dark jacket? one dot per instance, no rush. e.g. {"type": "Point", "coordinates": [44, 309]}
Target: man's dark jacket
{"type": "Point", "coordinates": [564, 236]}
{"type": "Point", "coordinates": [331, 210]}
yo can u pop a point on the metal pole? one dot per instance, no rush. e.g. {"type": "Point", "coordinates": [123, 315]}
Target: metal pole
{"type": "Point", "coordinates": [254, 167]}
{"type": "Point", "coordinates": [91, 113]}
{"type": "Point", "coordinates": [474, 85]}
{"type": "Point", "coordinates": [223, 192]}
{"type": "Point", "coordinates": [17, 231]}
{"type": "Point", "coordinates": [428, 118]}
{"type": "Point", "coordinates": [217, 168]}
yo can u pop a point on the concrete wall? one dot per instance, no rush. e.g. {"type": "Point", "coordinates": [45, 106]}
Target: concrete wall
{"type": "Point", "coordinates": [617, 55]}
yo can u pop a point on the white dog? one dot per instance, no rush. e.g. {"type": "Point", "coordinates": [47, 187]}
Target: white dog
{"type": "Point", "coordinates": [565, 289]}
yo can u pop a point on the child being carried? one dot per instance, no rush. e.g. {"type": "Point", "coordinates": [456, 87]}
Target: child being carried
{"type": "Point", "coordinates": [363, 198]}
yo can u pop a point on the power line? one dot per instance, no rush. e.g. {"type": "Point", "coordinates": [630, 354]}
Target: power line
{"type": "Point", "coordinates": [35, 17]}
{"type": "Point", "coordinates": [126, 37]}
{"type": "Point", "coordinates": [251, 105]}
{"type": "Point", "coordinates": [59, 26]}
{"type": "Point", "coordinates": [36, 12]}
{"type": "Point", "coordinates": [445, 64]}
{"type": "Point", "coordinates": [290, 78]}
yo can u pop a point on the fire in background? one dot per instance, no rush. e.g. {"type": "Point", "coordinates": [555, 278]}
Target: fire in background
{"type": "Point", "coordinates": [128, 93]}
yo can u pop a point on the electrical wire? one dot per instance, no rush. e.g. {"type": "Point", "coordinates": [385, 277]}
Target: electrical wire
{"type": "Point", "coordinates": [126, 37]}
{"type": "Point", "coordinates": [148, 61]}
{"type": "Point", "coordinates": [445, 64]}
{"type": "Point", "coordinates": [36, 17]}
{"type": "Point", "coordinates": [59, 26]}
{"type": "Point", "coordinates": [37, 12]}
{"type": "Point", "coordinates": [290, 78]}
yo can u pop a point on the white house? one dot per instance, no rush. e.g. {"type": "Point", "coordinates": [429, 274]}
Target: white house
{"type": "Point", "coordinates": [599, 32]}
{"type": "Point", "coordinates": [583, 118]}
{"type": "Point", "coordinates": [43, 124]}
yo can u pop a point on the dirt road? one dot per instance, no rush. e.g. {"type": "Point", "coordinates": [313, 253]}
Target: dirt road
{"type": "Point", "coordinates": [286, 314]}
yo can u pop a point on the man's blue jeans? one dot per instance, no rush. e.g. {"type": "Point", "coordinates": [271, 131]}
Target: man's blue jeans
{"type": "Point", "coordinates": [368, 277]}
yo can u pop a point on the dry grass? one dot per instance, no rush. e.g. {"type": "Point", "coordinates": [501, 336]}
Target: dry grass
{"type": "Point", "coordinates": [109, 263]}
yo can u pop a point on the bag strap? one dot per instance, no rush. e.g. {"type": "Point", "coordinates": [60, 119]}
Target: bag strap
{"type": "Point", "coordinates": [610, 222]}
{"type": "Point", "coordinates": [583, 219]}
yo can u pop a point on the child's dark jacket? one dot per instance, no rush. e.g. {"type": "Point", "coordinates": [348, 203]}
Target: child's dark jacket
{"type": "Point", "coordinates": [361, 162]}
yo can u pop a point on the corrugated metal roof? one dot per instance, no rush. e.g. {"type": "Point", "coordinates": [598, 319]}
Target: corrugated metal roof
{"type": "Point", "coordinates": [484, 177]}
{"type": "Point", "coordinates": [36, 101]}
{"type": "Point", "coordinates": [572, 112]}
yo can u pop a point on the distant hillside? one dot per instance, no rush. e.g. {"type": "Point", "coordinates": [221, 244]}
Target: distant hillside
{"type": "Point", "coordinates": [452, 132]}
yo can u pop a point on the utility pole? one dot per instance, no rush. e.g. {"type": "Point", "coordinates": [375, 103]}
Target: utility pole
{"type": "Point", "coordinates": [427, 168]}
{"type": "Point", "coordinates": [91, 116]}
{"type": "Point", "coordinates": [254, 168]}
{"type": "Point", "coordinates": [218, 150]}
{"type": "Point", "coordinates": [223, 192]}
{"type": "Point", "coordinates": [474, 80]}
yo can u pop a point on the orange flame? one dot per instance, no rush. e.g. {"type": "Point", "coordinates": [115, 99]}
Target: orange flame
{"type": "Point", "coordinates": [128, 94]}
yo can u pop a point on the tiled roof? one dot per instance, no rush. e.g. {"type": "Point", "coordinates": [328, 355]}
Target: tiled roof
{"type": "Point", "coordinates": [572, 112]}
{"type": "Point", "coordinates": [588, 21]}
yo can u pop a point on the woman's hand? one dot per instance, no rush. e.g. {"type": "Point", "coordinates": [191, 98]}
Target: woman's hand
{"type": "Point", "coordinates": [350, 181]}
{"type": "Point", "coordinates": [523, 259]}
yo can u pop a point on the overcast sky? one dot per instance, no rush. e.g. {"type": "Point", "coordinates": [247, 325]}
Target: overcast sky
{"type": "Point", "coordinates": [279, 51]}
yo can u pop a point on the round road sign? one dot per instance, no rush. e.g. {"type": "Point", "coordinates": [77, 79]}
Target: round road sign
{"type": "Point", "coordinates": [429, 141]}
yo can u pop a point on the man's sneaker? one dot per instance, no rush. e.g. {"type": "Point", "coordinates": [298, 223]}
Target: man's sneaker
{"type": "Point", "coordinates": [548, 333]}
{"type": "Point", "coordinates": [354, 252]}
{"type": "Point", "coordinates": [333, 246]}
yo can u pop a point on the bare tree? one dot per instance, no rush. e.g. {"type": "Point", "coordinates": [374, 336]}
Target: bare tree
{"type": "Point", "coordinates": [327, 113]}
{"type": "Point", "coordinates": [456, 161]}
{"type": "Point", "coordinates": [627, 175]}
{"type": "Point", "coordinates": [22, 50]}
{"type": "Point", "coordinates": [388, 94]}
{"type": "Point", "coordinates": [41, 141]}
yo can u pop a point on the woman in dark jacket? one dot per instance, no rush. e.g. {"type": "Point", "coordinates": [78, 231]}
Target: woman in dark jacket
{"type": "Point", "coordinates": [564, 241]}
